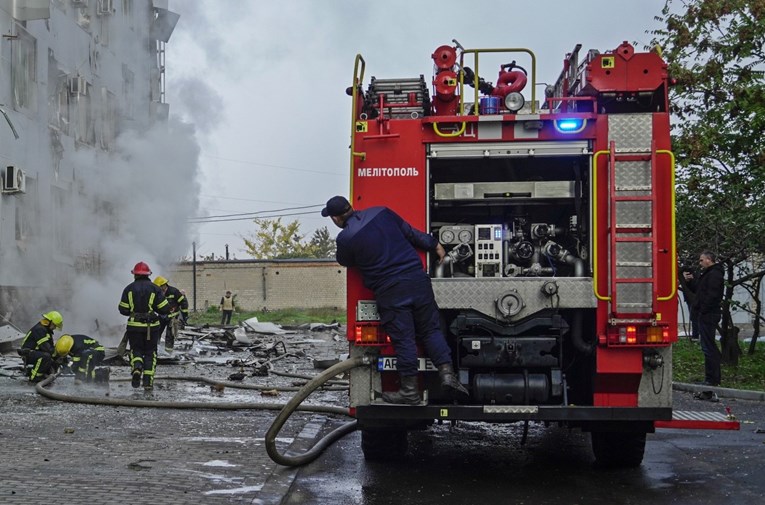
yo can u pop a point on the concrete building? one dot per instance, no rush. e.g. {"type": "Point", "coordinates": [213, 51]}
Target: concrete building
{"type": "Point", "coordinates": [258, 284]}
{"type": "Point", "coordinates": [76, 74]}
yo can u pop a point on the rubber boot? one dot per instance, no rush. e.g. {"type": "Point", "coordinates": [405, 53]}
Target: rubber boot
{"type": "Point", "coordinates": [136, 380]}
{"type": "Point", "coordinates": [409, 393]}
{"type": "Point", "coordinates": [449, 383]}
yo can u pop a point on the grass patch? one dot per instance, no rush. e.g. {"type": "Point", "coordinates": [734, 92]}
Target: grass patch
{"type": "Point", "coordinates": [688, 366]}
{"type": "Point", "coordinates": [285, 317]}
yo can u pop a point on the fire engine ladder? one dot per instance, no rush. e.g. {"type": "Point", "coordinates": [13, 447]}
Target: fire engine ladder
{"type": "Point", "coordinates": [632, 248]}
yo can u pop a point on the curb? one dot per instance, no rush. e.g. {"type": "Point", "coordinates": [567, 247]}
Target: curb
{"type": "Point", "coordinates": [740, 394]}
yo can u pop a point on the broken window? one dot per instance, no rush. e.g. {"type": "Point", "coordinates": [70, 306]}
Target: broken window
{"type": "Point", "coordinates": [58, 96]}
{"type": "Point", "coordinates": [23, 65]}
{"type": "Point", "coordinates": [27, 213]}
{"type": "Point", "coordinates": [128, 91]}
{"type": "Point", "coordinates": [85, 130]}
{"type": "Point", "coordinates": [59, 197]}
{"type": "Point", "coordinates": [108, 130]}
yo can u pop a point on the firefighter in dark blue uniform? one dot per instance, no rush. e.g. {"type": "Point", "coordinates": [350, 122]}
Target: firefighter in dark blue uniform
{"type": "Point", "coordinates": [179, 311]}
{"type": "Point", "coordinates": [143, 302]}
{"type": "Point", "coordinates": [384, 248]}
{"type": "Point", "coordinates": [37, 348]}
{"type": "Point", "coordinates": [86, 352]}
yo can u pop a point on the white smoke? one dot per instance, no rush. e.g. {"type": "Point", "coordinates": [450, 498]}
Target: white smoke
{"type": "Point", "coordinates": [133, 206]}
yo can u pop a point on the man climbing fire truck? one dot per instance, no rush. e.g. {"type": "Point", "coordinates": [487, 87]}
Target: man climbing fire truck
{"type": "Point", "coordinates": [558, 290]}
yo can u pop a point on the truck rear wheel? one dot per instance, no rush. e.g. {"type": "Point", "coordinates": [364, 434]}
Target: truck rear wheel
{"type": "Point", "coordinates": [383, 444]}
{"type": "Point", "coordinates": [618, 450]}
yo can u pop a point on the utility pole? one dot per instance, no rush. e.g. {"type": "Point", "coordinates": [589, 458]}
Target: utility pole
{"type": "Point", "coordinates": [194, 273]}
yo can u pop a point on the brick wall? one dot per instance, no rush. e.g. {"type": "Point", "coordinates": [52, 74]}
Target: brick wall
{"type": "Point", "coordinates": [277, 284]}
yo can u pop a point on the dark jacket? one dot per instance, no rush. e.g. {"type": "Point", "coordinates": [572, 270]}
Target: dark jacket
{"type": "Point", "coordinates": [82, 343]}
{"type": "Point", "coordinates": [708, 288]}
{"type": "Point", "coordinates": [177, 301]}
{"type": "Point", "coordinates": [383, 246]}
{"type": "Point", "coordinates": [141, 301]}
{"type": "Point", "coordinates": [39, 338]}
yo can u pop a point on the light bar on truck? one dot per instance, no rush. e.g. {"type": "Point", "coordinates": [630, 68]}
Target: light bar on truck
{"type": "Point", "coordinates": [572, 125]}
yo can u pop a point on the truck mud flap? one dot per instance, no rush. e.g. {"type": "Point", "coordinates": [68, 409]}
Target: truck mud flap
{"type": "Point", "coordinates": [690, 420]}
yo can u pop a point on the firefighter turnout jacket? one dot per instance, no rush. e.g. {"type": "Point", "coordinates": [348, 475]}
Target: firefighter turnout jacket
{"type": "Point", "coordinates": [37, 350]}
{"type": "Point", "coordinates": [178, 302]}
{"type": "Point", "coordinates": [142, 301]}
{"type": "Point", "coordinates": [39, 338]}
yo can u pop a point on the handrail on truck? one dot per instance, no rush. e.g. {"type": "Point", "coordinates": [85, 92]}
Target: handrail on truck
{"type": "Point", "coordinates": [357, 79]}
{"type": "Point", "coordinates": [673, 238]}
{"type": "Point", "coordinates": [475, 53]}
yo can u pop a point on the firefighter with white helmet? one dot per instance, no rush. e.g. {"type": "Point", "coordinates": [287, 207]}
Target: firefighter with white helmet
{"type": "Point", "coordinates": [86, 352]}
{"type": "Point", "coordinates": [143, 303]}
{"type": "Point", "coordinates": [179, 311]}
{"type": "Point", "coordinates": [37, 348]}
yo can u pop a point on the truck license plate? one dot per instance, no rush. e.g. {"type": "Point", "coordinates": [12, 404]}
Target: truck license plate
{"type": "Point", "coordinates": [388, 363]}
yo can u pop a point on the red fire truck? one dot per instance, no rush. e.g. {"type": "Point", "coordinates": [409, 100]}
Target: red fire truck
{"type": "Point", "coordinates": [558, 294]}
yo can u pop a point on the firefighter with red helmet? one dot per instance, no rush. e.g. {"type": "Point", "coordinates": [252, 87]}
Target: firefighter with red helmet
{"type": "Point", "coordinates": [179, 311]}
{"type": "Point", "coordinates": [143, 303]}
{"type": "Point", "coordinates": [37, 349]}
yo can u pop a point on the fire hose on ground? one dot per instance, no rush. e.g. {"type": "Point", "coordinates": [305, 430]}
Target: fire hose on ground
{"type": "Point", "coordinates": [286, 409]}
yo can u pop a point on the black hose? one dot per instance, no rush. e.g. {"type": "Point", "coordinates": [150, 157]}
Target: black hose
{"type": "Point", "coordinates": [126, 402]}
{"type": "Point", "coordinates": [294, 404]}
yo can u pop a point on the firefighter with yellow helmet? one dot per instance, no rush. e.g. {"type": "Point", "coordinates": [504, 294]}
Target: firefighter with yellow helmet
{"type": "Point", "coordinates": [86, 352]}
{"type": "Point", "coordinates": [143, 303]}
{"type": "Point", "coordinates": [179, 311]}
{"type": "Point", "coordinates": [37, 348]}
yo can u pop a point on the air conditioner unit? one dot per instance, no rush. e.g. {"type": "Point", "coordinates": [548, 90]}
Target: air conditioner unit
{"type": "Point", "coordinates": [78, 85]}
{"type": "Point", "coordinates": [14, 180]}
{"type": "Point", "coordinates": [80, 3]}
{"type": "Point", "coordinates": [105, 7]}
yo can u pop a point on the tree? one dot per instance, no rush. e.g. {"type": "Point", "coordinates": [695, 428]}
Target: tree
{"type": "Point", "coordinates": [276, 240]}
{"type": "Point", "coordinates": [716, 54]}
{"type": "Point", "coordinates": [322, 244]}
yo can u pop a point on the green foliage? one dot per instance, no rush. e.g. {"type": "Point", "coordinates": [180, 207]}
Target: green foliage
{"type": "Point", "coordinates": [716, 52]}
{"type": "Point", "coordinates": [276, 240]}
{"type": "Point", "coordinates": [688, 366]}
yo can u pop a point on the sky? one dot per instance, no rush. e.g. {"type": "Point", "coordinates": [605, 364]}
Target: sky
{"type": "Point", "coordinates": [262, 83]}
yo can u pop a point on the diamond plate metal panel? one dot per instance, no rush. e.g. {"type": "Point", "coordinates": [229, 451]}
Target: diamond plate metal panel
{"type": "Point", "coordinates": [481, 294]}
{"type": "Point", "coordinates": [633, 174]}
{"type": "Point", "coordinates": [633, 252]}
{"type": "Point", "coordinates": [631, 132]}
{"type": "Point", "coordinates": [633, 213]}
{"type": "Point", "coordinates": [634, 297]}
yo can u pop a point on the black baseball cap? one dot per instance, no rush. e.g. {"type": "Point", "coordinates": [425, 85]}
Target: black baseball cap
{"type": "Point", "coordinates": [336, 206]}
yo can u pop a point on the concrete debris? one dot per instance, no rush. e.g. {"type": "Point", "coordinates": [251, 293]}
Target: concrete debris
{"type": "Point", "coordinates": [265, 328]}
{"type": "Point", "coordinates": [253, 350]}
{"type": "Point", "coordinates": [10, 336]}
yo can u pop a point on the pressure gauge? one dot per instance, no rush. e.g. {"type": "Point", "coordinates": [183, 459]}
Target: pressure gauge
{"type": "Point", "coordinates": [465, 236]}
{"type": "Point", "coordinates": [447, 236]}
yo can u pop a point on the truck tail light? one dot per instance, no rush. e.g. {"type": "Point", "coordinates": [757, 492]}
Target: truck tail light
{"type": "Point", "coordinates": [629, 335]}
{"type": "Point", "coordinates": [370, 335]}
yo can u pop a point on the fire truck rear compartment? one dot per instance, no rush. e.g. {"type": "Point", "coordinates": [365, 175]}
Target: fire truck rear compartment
{"type": "Point", "coordinates": [515, 230]}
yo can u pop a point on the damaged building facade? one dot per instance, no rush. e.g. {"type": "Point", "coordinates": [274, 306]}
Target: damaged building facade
{"type": "Point", "coordinates": [75, 74]}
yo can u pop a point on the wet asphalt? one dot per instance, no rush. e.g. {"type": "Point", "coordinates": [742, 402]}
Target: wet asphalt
{"type": "Point", "coordinates": [53, 452]}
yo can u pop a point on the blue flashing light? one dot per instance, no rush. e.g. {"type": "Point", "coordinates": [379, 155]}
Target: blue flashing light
{"type": "Point", "coordinates": [570, 125]}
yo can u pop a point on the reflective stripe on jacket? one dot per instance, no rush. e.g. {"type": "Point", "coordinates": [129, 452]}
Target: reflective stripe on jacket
{"type": "Point", "coordinates": [141, 301]}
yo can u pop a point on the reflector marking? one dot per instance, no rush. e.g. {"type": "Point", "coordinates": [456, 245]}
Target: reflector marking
{"type": "Point", "coordinates": [510, 409]}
